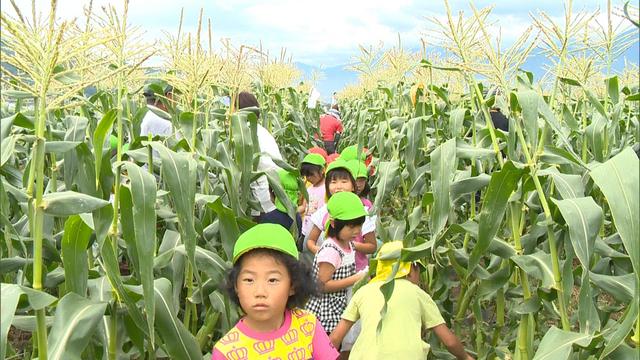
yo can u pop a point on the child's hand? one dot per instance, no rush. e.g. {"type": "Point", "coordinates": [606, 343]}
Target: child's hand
{"type": "Point", "coordinates": [362, 273]}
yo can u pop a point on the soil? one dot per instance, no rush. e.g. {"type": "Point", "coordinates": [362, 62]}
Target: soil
{"type": "Point", "coordinates": [19, 340]}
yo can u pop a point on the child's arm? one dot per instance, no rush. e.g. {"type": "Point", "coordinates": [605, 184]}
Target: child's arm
{"type": "Point", "coordinates": [369, 245]}
{"type": "Point", "coordinates": [452, 343]}
{"type": "Point", "coordinates": [312, 240]}
{"type": "Point", "coordinates": [341, 330]}
{"type": "Point", "coordinates": [302, 207]}
{"type": "Point", "coordinates": [325, 273]}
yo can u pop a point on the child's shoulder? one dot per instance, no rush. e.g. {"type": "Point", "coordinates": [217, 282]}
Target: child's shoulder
{"type": "Point", "coordinates": [298, 314]}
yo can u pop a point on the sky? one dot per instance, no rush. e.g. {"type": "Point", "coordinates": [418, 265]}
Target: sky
{"type": "Point", "coordinates": [322, 35]}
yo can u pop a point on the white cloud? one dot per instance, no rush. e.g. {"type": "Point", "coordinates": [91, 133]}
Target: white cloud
{"type": "Point", "coordinates": [318, 33]}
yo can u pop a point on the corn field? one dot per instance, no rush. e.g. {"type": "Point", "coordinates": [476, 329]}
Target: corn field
{"type": "Point", "coordinates": [531, 235]}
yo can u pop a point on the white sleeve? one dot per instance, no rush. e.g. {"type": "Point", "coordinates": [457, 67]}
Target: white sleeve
{"type": "Point", "coordinates": [369, 224]}
{"type": "Point", "coordinates": [318, 217]}
{"type": "Point", "coordinates": [260, 190]}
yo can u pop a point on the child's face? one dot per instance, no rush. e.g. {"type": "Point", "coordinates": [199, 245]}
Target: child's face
{"type": "Point", "coordinates": [349, 232]}
{"type": "Point", "coordinates": [360, 184]}
{"type": "Point", "coordinates": [315, 178]}
{"type": "Point", "coordinates": [263, 288]}
{"type": "Point", "coordinates": [340, 184]}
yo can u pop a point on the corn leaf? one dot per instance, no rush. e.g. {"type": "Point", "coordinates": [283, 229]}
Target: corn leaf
{"type": "Point", "coordinates": [443, 165]}
{"type": "Point", "coordinates": [75, 321]}
{"type": "Point", "coordinates": [100, 135]}
{"type": "Point", "coordinates": [74, 254]}
{"type": "Point", "coordinates": [179, 343]}
{"type": "Point", "coordinates": [11, 294]}
{"type": "Point", "coordinates": [143, 193]}
{"type": "Point", "coordinates": [618, 179]}
{"type": "Point", "coordinates": [557, 344]}
{"type": "Point", "coordinates": [502, 184]}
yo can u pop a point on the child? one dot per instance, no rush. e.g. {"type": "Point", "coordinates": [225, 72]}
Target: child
{"type": "Point", "coordinates": [334, 264]}
{"type": "Point", "coordinates": [269, 283]}
{"type": "Point", "coordinates": [312, 168]}
{"type": "Point", "coordinates": [339, 178]}
{"type": "Point", "coordinates": [279, 215]}
{"type": "Point", "coordinates": [361, 174]}
{"type": "Point", "coordinates": [409, 310]}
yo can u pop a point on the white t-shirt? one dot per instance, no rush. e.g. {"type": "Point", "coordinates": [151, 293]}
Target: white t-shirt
{"type": "Point", "coordinates": [154, 124]}
{"type": "Point", "coordinates": [320, 218]}
{"type": "Point", "coordinates": [260, 187]}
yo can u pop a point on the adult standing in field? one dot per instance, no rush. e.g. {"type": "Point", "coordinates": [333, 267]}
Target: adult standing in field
{"type": "Point", "coordinates": [268, 145]}
{"type": "Point", "coordinates": [157, 122]}
{"type": "Point", "coordinates": [331, 128]}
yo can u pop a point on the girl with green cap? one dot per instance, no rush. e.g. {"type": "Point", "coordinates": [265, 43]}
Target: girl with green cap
{"type": "Point", "coordinates": [269, 283]}
{"type": "Point", "coordinates": [361, 174]}
{"type": "Point", "coordinates": [334, 264]}
{"type": "Point", "coordinates": [312, 168]}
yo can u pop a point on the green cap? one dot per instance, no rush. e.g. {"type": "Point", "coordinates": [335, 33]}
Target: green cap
{"type": "Point", "coordinates": [315, 159]}
{"type": "Point", "coordinates": [358, 169]}
{"type": "Point", "coordinates": [289, 183]}
{"type": "Point", "coordinates": [345, 206]}
{"type": "Point", "coordinates": [351, 153]}
{"type": "Point", "coordinates": [338, 163]}
{"type": "Point", "coordinates": [265, 236]}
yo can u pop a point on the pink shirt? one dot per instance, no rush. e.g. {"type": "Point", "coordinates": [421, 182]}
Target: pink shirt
{"type": "Point", "coordinates": [316, 201]}
{"type": "Point", "coordinates": [287, 340]}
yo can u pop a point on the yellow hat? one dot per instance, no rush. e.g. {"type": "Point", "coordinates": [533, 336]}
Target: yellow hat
{"type": "Point", "coordinates": [388, 256]}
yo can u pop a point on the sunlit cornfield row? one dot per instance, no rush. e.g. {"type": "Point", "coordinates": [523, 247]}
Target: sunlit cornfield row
{"type": "Point", "coordinates": [116, 245]}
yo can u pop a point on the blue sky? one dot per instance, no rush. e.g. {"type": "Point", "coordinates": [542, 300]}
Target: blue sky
{"type": "Point", "coordinates": [322, 34]}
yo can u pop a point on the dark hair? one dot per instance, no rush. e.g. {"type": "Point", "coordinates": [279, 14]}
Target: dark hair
{"type": "Point", "coordinates": [247, 99]}
{"type": "Point", "coordinates": [302, 280]}
{"type": "Point", "coordinates": [307, 169]}
{"type": "Point", "coordinates": [340, 224]}
{"type": "Point", "coordinates": [367, 189]}
{"type": "Point", "coordinates": [338, 173]}
{"type": "Point", "coordinates": [152, 97]}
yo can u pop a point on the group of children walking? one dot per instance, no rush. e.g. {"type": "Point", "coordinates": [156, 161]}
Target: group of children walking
{"type": "Point", "coordinates": [296, 311]}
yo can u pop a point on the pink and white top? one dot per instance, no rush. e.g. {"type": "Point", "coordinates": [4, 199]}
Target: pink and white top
{"type": "Point", "coordinates": [332, 256]}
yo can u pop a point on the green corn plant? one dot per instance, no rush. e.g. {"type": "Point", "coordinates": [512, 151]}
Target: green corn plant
{"type": "Point", "coordinates": [44, 54]}
{"type": "Point", "coordinates": [541, 195]}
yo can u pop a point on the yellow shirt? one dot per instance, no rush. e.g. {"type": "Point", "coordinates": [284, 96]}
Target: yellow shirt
{"type": "Point", "coordinates": [300, 337]}
{"type": "Point", "coordinates": [409, 310]}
